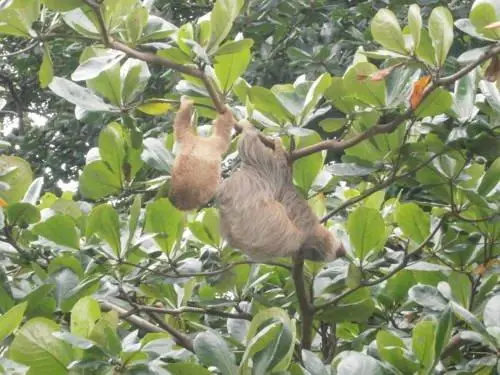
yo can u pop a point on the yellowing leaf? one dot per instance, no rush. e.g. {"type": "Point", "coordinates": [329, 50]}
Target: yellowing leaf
{"type": "Point", "coordinates": [155, 108]}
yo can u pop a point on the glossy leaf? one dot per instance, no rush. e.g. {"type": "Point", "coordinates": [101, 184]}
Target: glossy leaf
{"type": "Point", "coordinates": [84, 315]}
{"type": "Point", "coordinates": [423, 342]}
{"type": "Point", "coordinates": [17, 174]}
{"type": "Point", "coordinates": [35, 346]}
{"type": "Point", "coordinates": [98, 181]}
{"type": "Point", "coordinates": [78, 95]}
{"type": "Point", "coordinates": [415, 24]}
{"type": "Point", "coordinates": [60, 229]}
{"type": "Point", "coordinates": [222, 17]}
{"type": "Point", "coordinates": [386, 31]}
{"type": "Point", "coordinates": [212, 350]}
{"type": "Point", "coordinates": [441, 33]}
{"type": "Point", "coordinates": [367, 231]}
{"type": "Point", "coordinates": [414, 222]}
{"type": "Point", "coordinates": [104, 222]}
{"type": "Point", "coordinates": [11, 320]}
{"type": "Point", "coordinates": [163, 219]}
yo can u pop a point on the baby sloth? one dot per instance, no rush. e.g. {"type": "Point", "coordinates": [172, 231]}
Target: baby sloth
{"type": "Point", "coordinates": [197, 166]}
{"type": "Point", "coordinates": [262, 213]}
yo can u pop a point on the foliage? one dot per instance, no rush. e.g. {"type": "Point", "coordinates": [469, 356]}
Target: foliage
{"type": "Point", "coordinates": [393, 115]}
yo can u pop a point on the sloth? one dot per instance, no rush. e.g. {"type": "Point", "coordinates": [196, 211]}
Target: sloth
{"type": "Point", "coordinates": [261, 212]}
{"type": "Point", "coordinates": [196, 172]}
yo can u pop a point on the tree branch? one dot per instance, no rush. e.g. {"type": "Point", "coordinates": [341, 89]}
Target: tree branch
{"type": "Point", "coordinates": [132, 319]}
{"type": "Point", "coordinates": [196, 310]}
{"type": "Point", "coordinates": [304, 299]}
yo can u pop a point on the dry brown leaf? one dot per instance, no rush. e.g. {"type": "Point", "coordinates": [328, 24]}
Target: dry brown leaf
{"type": "Point", "coordinates": [418, 91]}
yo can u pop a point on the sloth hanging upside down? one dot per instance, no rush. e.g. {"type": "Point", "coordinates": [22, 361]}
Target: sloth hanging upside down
{"type": "Point", "coordinates": [262, 213]}
{"type": "Point", "coordinates": [197, 166]}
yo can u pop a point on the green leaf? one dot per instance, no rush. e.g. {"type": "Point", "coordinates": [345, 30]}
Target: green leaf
{"type": "Point", "coordinates": [351, 362]}
{"type": "Point", "coordinates": [340, 96]}
{"type": "Point", "coordinates": [465, 96]}
{"type": "Point", "coordinates": [18, 17]}
{"type": "Point", "coordinates": [472, 321]}
{"type": "Point", "coordinates": [157, 29]}
{"type": "Point", "coordinates": [186, 368]}
{"type": "Point", "coordinates": [84, 315]}
{"type": "Point", "coordinates": [155, 108]}
{"type": "Point", "coordinates": [166, 221]}
{"type": "Point", "coordinates": [315, 93]}
{"type": "Point", "coordinates": [92, 67]}
{"type": "Point", "coordinates": [5, 4]}
{"type": "Point", "coordinates": [35, 346]}
{"type": "Point", "coordinates": [424, 342]}
{"type": "Point", "coordinates": [62, 5]}
{"type": "Point", "coordinates": [46, 72]}
{"type": "Point", "coordinates": [98, 181]}
{"type": "Point", "coordinates": [282, 354]}
{"type": "Point", "coordinates": [414, 222]}
{"type": "Point", "coordinates": [60, 229]}
{"type": "Point", "coordinates": [156, 155]}
{"type": "Point", "coordinates": [212, 350]}
{"type": "Point", "coordinates": [235, 46]}
{"type": "Point", "coordinates": [366, 230]}
{"type": "Point", "coordinates": [11, 320]}
{"type": "Point", "coordinates": [437, 102]}
{"type": "Point", "coordinates": [112, 147]}
{"type": "Point", "coordinates": [392, 349]}
{"type": "Point", "coordinates": [229, 67]}
{"type": "Point", "coordinates": [79, 95]}
{"type": "Point", "coordinates": [265, 338]}
{"type": "Point", "coordinates": [461, 288]}
{"type": "Point", "coordinates": [387, 32]}
{"type": "Point", "coordinates": [22, 214]}
{"type": "Point", "coordinates": [490, 178]}
{"type": "Point", "coordinates": [349, 170]}
{"type": "Point", "coordinates": [313, 364]}
{"type": "Point", "coordinates": [441, 33]}
{"type": "Point", "coordinates": [425, 50]}
{"type": "Point", "coordinates": [443, 332]}
{"type": "Point", "coordinates": [427, 296]}
{"type": "Point", "coordinates": [367, 91]}
{"type": "Point", "coordinates": [33, 193]}
{"type": "Point", "coordinates": [331, 125]}
{"type": "Point", "coordinates": [222, 17]}
{"type": "Point", "coordinates": [135, 76]}
{"type": "Point", "coordinates": [17, 174]}
{"type": "Point", "coordinates": [491, 313]}
{"type": "Point", "coordinates": [415, 24]}
{"type": "Point", "coordinates": [266, 101]}
{"type": "Point", "coordinates": [206, 227]}
{"type": "Point", "coordinates": [305, 170]}
{"type": "Point", "coordinates": [357, 307]}
{"type": "Point", "coordinates": [482, 14]}
{"type": "Point", "coordinates": [104, 222]}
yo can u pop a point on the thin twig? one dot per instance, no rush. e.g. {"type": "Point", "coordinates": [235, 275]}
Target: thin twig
{"type": "Point", "coordinates": [196, 310]}
{"type": "Point", "coordinates": [131, 318]}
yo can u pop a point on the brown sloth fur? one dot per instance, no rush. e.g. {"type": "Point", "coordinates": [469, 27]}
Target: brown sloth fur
{"type": "Point", "coordinates": [197, 166]}
{"type": "Point", "coordinates": [262, 213]}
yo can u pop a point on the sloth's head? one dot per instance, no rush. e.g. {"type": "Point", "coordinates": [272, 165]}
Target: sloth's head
{"type": "Point", "coordinates": [322, 245]}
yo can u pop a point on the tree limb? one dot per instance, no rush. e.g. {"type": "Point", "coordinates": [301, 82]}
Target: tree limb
{"type": "Point", "coordinates": [304, 299]}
